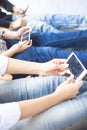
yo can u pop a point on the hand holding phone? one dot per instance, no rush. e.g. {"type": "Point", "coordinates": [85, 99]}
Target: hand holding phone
{"type": "Point", "coordinates": [76, 67]}
{"type": "Point", "coordinates": [26, 36]}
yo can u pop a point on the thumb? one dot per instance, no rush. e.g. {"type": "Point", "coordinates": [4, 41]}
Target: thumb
{"type": "Point", "coordinates": [79, 84]}
{"type": "Point", "coordinates": [70, 79]}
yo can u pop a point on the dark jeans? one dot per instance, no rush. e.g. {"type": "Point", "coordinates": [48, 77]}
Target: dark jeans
{"type": "Point", "coordinates": [47, 46]}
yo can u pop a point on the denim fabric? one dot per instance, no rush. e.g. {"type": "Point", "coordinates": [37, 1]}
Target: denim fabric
{"type": "Point", "coordinates": [47, 46]}
{"type": "Point", "coordinates": [75, 39]}
{"type": "Point", "coordinates": [55, 22]}
{"type": "Point", "coordinates": [43, 54]}
{"type": "Point", "coordinates": [55, 118]}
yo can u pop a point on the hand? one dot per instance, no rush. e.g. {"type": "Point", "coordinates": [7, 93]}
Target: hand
{"type": "Point", "coordinates": [19, 47]}
{"type": "Point", "coordinates": [20, 32]}
{"type": "Point", "coordinates": [18, 11]}
{"type": "Point", "coordinates": [6, 77]}
{"type": "Point", "coordinates": [69, 88]}
{"type": "Point", "coordinates": [55, 66]}
{"type": "Point", "coordinates": [20, 22]}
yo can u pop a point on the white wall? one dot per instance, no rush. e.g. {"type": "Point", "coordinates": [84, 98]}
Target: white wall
{"type": "Point", "coordinates": [54, 6]}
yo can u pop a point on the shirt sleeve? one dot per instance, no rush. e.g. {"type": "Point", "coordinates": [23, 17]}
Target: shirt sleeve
{"type": "Point", "coordinates": [4, 23]}
{"type": "Point", "coordinates": [9, 115]}
{"type": "Point", "coordinates": [7, 5]}
{"type": "Point", "coordinates": [3, 64]}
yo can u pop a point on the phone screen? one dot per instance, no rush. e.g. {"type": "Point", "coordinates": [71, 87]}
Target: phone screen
{"type": "Point", "coordinates": [26, 36]}
{"type": "Point", "coordinates": [75, 66]}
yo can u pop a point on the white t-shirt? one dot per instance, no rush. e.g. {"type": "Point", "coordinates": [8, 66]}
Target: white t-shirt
{"type": "Point", "coordinates": [9, 112]}
{"type": "Point", "coordinates": [9, 115]}
{"type": "Point", "coordinates": [3, 64]}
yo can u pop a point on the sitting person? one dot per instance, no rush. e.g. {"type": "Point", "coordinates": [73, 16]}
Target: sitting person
{"type": "Point", "coordinates": [47, 46]}
{"type": "Point", "coordinates": [7, 20]}
{"type": "Point", "coordinates": [30, 88]}
{"type": "Point", "coordinates": [46, 85]}
{"type": "Point", "coordinates": [56, 66]}
{"type": "Point", "coordinates": [39, 23]}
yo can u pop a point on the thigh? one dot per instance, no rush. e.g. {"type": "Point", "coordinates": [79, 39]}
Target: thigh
{"type": "Point", "coordinates": [28, 88]}
{"type": "Point", "coordinates": [61, 115]}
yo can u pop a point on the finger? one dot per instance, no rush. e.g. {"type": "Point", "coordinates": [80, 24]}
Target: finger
{"type": "Point", "coordinates": [68, 72]}
{"type": "Point", "coordinates": [23, 43]}
{"type": "Point", "coordinates": [70, 79]}
{"type": "Point", "coordinates": [30, 43]}
{"type": "Point", "coordinates": [62, 61]}
{"type": "Point", "coordinates": [61, 73]}
{"type": "Point", "coordinates": [78, 84]}
{"type": "Point", "coordinates": [62, 67]}
{"type": "Point", "coordinates": [59, 61]}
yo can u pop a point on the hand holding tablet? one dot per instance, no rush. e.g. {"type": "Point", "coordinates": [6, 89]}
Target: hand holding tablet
{"type": "Point", "coordinates": [76, 67]}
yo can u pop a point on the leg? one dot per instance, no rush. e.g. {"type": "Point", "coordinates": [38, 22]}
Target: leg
{"type": "Point", "coordinates": [64, 21]}
{"type": "Point", "coordinates": [61, 115]}
{"type": "Point", "coordinates": [56, 21]}
{"type": "Point", "coordinates": [10, 43]}
{"type": "Point", "coordinates": [63, 40]}
{"type": "Point", "coordinates": [74, 39]}
{"type": "Point", "coordinates": [28, 88]}
{"type": "Point", "coordinates": [43, 54]}
{"type": "Point", "coordinates": [38, 25]}
{"type": "Point", "coordinates": [55, 118]}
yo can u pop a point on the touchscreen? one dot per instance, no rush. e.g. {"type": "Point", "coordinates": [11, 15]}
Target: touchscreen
{"type": "Point", "coordinates": [75, 67]}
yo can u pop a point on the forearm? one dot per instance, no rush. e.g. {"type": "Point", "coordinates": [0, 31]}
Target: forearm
{"type": "Point", "coordinates": [8, 53]}
{"type": "Point", "coordinates": [35, 106]}
{"type": "Point", "coordinates": [8, 34]}
{"type": "Point", "coordinates": [22, 67]}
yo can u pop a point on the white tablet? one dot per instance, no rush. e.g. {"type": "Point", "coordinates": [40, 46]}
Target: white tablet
{"type": "Point", "coordinates": [76, 67]}
{"type": "Point", "coordinates": [26, 36]}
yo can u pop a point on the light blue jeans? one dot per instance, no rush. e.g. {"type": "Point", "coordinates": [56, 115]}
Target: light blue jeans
{"type": "Point", "coordinates": [55, 118]}
{"type": "Point", "coordinates": [55, 22]}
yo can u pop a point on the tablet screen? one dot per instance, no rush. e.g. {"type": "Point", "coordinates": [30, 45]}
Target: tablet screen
{"type": "Point", "coordinates": [75, 66]}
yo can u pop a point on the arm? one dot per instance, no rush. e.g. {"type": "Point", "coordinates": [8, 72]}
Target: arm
{"type": "Point", "coordinates": [66, 90]}
{"type": "Point", "coordinates": [55, 66]}
{"type": "Point", "coordinates": [14, 66]}
{"type": "Point", "coordinates": [14, 34]}
{"type": "Point", "coordinates": [28, 108]}
{"type": "Point", "coordinates": [17, 48]}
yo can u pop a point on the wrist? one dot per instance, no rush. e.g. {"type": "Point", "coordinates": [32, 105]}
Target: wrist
{"type": "Point", "coordinates": [42, 71]}
{"type": "Point", "coordinates": [2, 34]}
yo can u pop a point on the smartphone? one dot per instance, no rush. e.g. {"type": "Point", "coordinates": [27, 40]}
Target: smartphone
{"type": "Point", "coordinates": [25, 10]}
{"type": "Point", "coordinates": [26, 36]}
{"type": "Point", "coordinates": [76, 67]}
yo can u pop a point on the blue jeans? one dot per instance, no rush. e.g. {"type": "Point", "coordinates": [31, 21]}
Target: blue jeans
{"type": "Point", "coordinates": [55, 22]}
{"type": "Point", "coordinates": [47, 46]}
{"type": "Point", "coordinates": [55, 118]}
{"type": "Point", "coordinates": [75, 39]}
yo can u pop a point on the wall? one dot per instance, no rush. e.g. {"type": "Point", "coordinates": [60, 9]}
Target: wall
{"type": "Point", "coordinates": [54, 6]}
